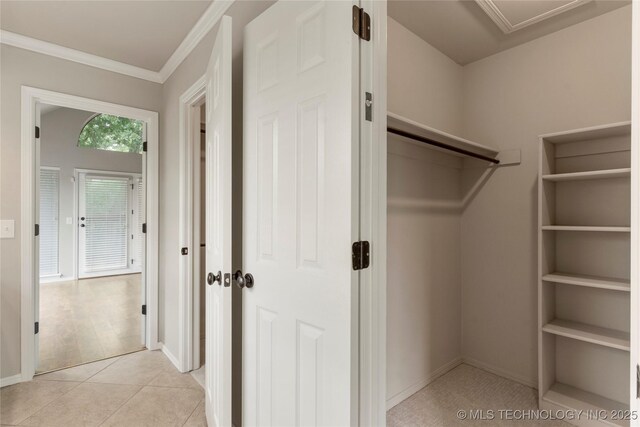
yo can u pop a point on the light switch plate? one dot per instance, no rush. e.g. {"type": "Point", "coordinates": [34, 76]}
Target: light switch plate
{"type": "Point", "coordinates": [7, 229]}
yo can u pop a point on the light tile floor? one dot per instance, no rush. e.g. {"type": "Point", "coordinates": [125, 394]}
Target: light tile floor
{"type": "Point", "coordinates": [138, 389]}
{"type": "Point", "coordinates": [466, 388]}
{"type": "Point", "coordinates": [90, 319]}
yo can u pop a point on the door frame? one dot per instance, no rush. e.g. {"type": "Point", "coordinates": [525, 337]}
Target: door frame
{"type": "Point", "coordinates": [373, 221]}
{"type": "Point", "coordinates": [634, 356]}
{"type": "Point", "coordinates": [76, 212]}
{"type": "Point", "coordinates": [188, 267]}
{"type": "Point", "coordinates": [31, 99]}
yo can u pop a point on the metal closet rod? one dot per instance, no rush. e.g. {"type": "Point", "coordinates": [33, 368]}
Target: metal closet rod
{"type": "Point", "coordinates": [441, 145]}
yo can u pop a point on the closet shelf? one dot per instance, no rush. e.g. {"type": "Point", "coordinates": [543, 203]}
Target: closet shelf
{"type": "Point", "coordinates": [586, 228]}
{"type": "Point", "coordinates": [588, 333]}
{"type": "Point", "coordinates": [567, 396]}
{"type": "Point", "coordinates": [576, 176]}
{"type": "Point", "coordinates": [400, 123]}
{"type": "Point", "coordinates": [589, 281]}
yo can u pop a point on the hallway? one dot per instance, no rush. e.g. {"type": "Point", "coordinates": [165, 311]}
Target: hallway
{"type": "Point", "coordinates": [138, 389]}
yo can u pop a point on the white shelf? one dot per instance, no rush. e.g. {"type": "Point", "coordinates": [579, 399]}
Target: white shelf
{"type": "Point", "coordinates": [567, 396]}
{"type": "Point", "coordinates": [588, 333]}
{"type": "Point", "coordinates": [399, 122]}
{"type": "Point", "coordinates": [586, 134]}
{"type": "Point", "coordinates": [586, 228]}
{"type": "Point", "coordinates": [576, 176]}
{"type": "Point", "coordinates": [589, 281]}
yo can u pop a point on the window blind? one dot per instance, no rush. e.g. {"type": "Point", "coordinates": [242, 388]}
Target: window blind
{"type": "Point", "coordinates": [49, 194]}
{"type": "Point", "coordinates": [106, 208]}
{"type": "Point", "coordinates": [140, 220]}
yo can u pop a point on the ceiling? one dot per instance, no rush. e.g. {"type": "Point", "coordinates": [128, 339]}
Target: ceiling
{"type": "Point", "coordinates": [139, 33]}
{"type": "Point", "coordinates": [465, 33]}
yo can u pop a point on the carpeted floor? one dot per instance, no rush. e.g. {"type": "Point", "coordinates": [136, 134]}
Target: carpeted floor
{"type": "Point", "coordinates": [466, 388]}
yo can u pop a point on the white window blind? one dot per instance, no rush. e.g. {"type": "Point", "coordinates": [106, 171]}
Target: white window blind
{"type": "Point", "coordinates": [106, 210]}
{"type": "Point", "coordinates": [49, 193]}
{"type": "Point", "coordinates": [139, 220]}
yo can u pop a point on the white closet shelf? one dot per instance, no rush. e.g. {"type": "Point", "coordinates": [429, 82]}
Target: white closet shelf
{"type": "Point", "coordinates": [577, 176]}
{"type": "Point", "coordinates": [589, 281]}
{"type": "Point", "coordinates": [586, 228]}
{"type": "Point", "coordinates": [399, 122]}
{"type": "Point", "coordinates": [589, 333]}
{"type": "Point", "coordinates": [567, 396]}
{"type": "Point", "coordinates": [590, 133]}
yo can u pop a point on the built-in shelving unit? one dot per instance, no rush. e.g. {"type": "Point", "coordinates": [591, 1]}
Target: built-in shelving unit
{"type": "Point", "coordinates": [584, 267]}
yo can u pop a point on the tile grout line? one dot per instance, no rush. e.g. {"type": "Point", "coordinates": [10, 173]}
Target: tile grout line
{"type": "Point", "coordinates": [78, 384]}
{"type": "Point", "coordinates": [120, 407]}
{"type": "Point", "coordinates": [193, 412]}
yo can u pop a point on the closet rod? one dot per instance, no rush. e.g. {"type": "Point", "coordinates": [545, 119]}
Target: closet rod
{"type": "Point", "coordinates": [441, 145]}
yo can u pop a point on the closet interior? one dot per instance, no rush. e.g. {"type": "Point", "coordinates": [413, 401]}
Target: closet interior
{"type": "Point", "coordinates": [508, 209]}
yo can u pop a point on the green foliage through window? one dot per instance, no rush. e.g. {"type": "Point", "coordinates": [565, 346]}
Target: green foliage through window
{"type": "Point", "coordinates": [112, 133]}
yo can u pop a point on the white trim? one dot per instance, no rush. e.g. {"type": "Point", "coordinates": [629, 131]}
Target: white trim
{"type": "Point", "coordinates": [4, 382]}
{"type": "Point", "coordinates": [422, 383]}
{"type": "Point", "coordinates": [634, 357]}
{"type": "Point", "coordinates": [499, 372]}
{"type": "Point", "coordinates": [31, 97]}
{"type": "Point", "coordinates": [188, 297]}
{"type": "Point", "coordinates": [57, 51]}
{"type": "Point", "coordinates": [61, 279]}
{"type": "Point", "coordinates": [173, 359]}
{"type": "Point", "coordinates": [507, 26]}
{"type": "Point", "coordinates": [209, 19]}
{"type": "Point", "coordinates": [373, 222]}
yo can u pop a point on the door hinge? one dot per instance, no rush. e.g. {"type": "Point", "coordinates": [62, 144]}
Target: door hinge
{"type": "Point", "coordinates": [361, 23]}
{"type": "Point", "coordinates": [37, 230]}
{"type": "Point", "coordinates": [36, 327]}
{"type": "Point", "coordinates": [131, 261]}
{"type": "Point", "coordinates": [37, 132]}
{"type": "Point", "coordinates": [368, 106]}
{"type": "Point", "coordinates": [637, 381]}
{"type": "Point", "coordinates": [184, 251]}
{"type": "Point", "coordinates": [360, 255]}
{"type": "Point", "coordinates": [144, 146]}
{"type": "Point", "coordinates": [144, 228]}
{"type": "Point", "coordinates": [144, 309]}
{"type": "Point", "coordinates": [132, 189]}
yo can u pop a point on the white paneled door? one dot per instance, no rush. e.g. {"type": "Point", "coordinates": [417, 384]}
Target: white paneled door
{"type": "Point", "coordinates": [218, 231]}
{"type": "Point", "coordinates": [300, 216]}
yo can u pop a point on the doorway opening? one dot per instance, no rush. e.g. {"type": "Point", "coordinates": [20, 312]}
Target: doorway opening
{"type": "Point", "coordinates": [91, 211]}
{"type": "Point", "coordinates": [199, 237]}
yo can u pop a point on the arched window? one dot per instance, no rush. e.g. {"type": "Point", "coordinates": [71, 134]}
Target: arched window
{"type": "Point", "coordinates": [112, 133]}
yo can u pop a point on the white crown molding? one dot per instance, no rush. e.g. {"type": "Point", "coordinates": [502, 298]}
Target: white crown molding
{"type": "Point", "coordinates": [494, 12]}
{"type": "Point", "coordinates": [46, 48]}
{"type": "Point", "coordinates": [207, 21]}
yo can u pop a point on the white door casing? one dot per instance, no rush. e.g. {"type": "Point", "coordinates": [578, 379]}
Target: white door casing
{"type": "Point", "coordinates": [218, 230]}
{"type": "Point", "coordinates": [300, 216]}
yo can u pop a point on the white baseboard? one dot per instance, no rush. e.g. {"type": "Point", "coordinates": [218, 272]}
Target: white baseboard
{"type": "Point", "coordinates": [14, 379]}
{"type": "Point", "coordinates": [499, 372]}
{"type": "Point", "coordinates": [170, 356]}
{"type": "Point", "coordinates": [422, 383]}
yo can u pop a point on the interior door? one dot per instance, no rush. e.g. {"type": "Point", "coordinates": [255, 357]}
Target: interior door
{"type": "Point", "coordinates": [218, 230]}
{"type": "Point", "coordinates": [300, 215]}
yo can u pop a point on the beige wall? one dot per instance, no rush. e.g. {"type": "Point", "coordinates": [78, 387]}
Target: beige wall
{"type": "Point", "coordinates": [60, 129]}
{"type": "Point", "coordinates": [424, 255]}
{"type": "Point", "coordinates": [423, 84]}
{"type": "Point", "coordinates": [20, 67]}
{"type": "Point", "coordinates": [577, 77]}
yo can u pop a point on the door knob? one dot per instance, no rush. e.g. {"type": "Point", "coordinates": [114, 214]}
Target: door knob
{"type": "Point", "coordinates": [243, 280]}
{"type": "Point", "coordinates": [217, 278]}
